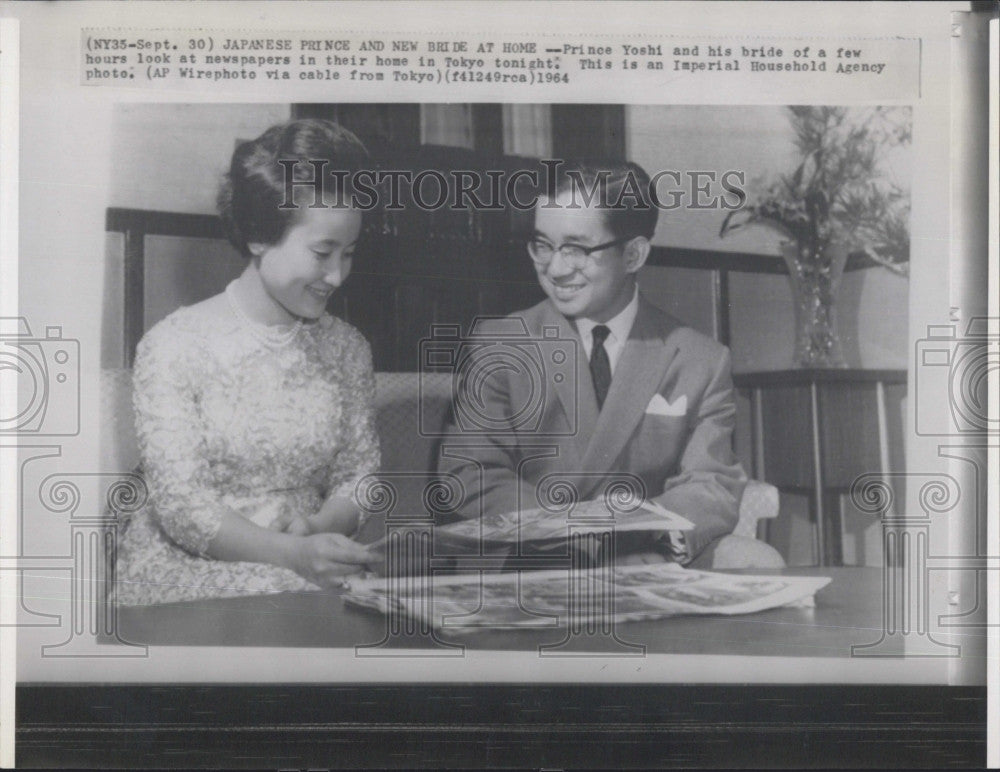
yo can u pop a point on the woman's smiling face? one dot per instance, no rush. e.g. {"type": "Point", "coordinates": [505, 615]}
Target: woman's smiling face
{"type": "Point", "coordinates": [313, 259]}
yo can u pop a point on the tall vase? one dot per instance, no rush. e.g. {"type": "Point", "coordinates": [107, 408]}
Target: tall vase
{"type": "Point", "coordinates": [815, 280]}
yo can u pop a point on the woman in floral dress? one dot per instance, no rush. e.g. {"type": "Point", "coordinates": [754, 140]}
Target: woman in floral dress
{"type": "Point", "coordinates": [253, 408]}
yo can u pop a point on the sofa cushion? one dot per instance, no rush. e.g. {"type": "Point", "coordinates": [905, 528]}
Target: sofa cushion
{"type": "Point", "coordinates": [410, 413]}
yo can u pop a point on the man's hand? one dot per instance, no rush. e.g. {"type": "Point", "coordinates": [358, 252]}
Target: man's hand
{"type": "Point", "coordinates": [644, 558]}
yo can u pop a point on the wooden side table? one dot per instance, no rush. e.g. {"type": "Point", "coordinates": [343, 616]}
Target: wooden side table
{"type": "Point", "coordinates": [816, 431]}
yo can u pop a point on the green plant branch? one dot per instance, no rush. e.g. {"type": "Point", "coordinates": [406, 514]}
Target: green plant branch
{"type": "Point", "coordinates": [838, 190]}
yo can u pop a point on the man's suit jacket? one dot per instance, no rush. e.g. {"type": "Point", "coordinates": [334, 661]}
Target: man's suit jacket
{"type": "Point", "coordinates": [668, 419]}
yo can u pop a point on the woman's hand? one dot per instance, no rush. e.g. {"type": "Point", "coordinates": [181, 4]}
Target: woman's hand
{"type": "Point", "coordinates": [322, 558]}
{"type": "Point", "coordinates": [290, 522]}
{"type": "Point", "coordinates": [326, 558]}
{"type": "Point", "coordinates": [337, 515]}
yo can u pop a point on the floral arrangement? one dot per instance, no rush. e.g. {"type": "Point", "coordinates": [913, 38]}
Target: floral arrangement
{"type": "Point", "coordinates": [840, 192]}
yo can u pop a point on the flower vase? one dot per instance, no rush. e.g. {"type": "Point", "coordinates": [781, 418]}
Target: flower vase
{"type": "Point", "coordinates": [815, 279]}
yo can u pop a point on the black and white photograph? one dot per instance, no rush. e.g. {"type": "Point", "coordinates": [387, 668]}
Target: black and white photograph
{"type": "Point", "coordinates": [417, 379]}
{"type": "Point", "coordinates": [351, 369]}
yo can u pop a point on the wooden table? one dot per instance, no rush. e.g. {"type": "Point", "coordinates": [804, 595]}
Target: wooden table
{"type": "Point", "coordinates": [757, 718]}
{"type": "Point", "coordinates": [848, 612]}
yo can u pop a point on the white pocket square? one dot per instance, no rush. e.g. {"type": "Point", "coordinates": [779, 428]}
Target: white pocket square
{"type": "Point", "coordinates": [659, 406]}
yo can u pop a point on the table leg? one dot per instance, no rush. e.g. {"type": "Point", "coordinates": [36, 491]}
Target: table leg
{"type": "Point", "coordinates": [827, 514]}
{"type": "Point", "coordinates": [757, 443]}
{"type": "Point", "coordinates": [757, 432]}
{"type": "Point", "coordinates": [818, 483]}
{"type": "Point", "coordinates": [883, 442]}
{"type": "Point", "coordinates": [834, 528]}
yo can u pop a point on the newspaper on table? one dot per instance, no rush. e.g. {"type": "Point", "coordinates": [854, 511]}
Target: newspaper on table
{"type": "Point", "coordinates": [529, 599]}
{"type": "Point", "coordinates": [550, 528]}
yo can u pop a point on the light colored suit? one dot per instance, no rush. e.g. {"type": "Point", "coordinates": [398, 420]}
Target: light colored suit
{"type": "Point", "coordinates": [668, 419]}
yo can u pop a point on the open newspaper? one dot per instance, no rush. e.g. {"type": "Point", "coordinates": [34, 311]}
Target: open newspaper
{"type": "Point", "coordinates": [545, 528]}
{"type": "Point", "coordinates": [537, 599]}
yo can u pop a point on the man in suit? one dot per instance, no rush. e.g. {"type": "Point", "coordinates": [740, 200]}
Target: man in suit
{"type": "Point", "coordinates": [610, 387]}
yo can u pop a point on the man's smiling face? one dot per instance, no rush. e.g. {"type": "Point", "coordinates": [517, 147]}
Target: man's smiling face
{"type": "Point", "coordinates": [604, 286]}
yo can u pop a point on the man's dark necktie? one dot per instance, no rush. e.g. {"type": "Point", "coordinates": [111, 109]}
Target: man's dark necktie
{"type": "Point", "coordinates": [600, 365]}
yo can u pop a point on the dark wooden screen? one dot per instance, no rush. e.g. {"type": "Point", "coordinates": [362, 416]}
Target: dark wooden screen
{"type": "Point", "coordinates": [416, 269]}
{"type": "Point", "coordinates": [422, 267]}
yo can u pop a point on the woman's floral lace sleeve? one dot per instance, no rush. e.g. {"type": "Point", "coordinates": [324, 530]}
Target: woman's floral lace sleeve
{"type": "Point", "coordinates": [171, 439]}
{"type": "Point", "coordinates": [360, 452]}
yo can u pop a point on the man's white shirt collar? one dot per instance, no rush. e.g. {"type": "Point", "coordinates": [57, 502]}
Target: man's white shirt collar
{"type": "Point", "coordinates": [620, 326]}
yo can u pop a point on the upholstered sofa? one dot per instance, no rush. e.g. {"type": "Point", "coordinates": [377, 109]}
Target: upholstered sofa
{"type": "Point", "coordinates": [410, 409]}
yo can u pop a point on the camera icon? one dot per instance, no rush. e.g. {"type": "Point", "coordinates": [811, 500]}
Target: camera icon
{"type": "Point", "coordinates": [46, 373]}
{"type": "Point", "coordinates": [954, 371]}
{"type": "Point", "coordinates": [497, 351]}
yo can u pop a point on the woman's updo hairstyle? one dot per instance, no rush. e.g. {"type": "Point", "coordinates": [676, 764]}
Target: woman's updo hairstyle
{"type": "Point", "coordinates": [254, 188]}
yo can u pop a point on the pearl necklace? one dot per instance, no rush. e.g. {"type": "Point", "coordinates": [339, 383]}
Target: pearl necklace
{"type": "Point", "coordinates": [262, 332]}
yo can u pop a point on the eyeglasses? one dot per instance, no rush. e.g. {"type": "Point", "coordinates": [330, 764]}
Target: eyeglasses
{"type": "Point", "coordinates": [576, 256]}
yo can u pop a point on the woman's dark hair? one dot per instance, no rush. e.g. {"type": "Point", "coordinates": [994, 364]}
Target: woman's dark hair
{"type": "Point", "coordinates": [254, 188]}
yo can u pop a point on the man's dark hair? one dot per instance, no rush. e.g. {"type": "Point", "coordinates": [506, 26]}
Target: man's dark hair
{"type": "Point", "coordinates": [622, 189]}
